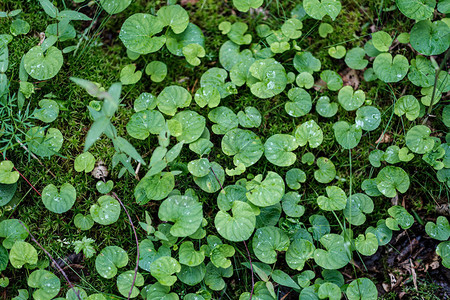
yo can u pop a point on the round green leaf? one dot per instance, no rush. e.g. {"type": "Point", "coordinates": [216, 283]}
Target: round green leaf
{"type": "Point", "coordinates": [381, 41]}
{"type": "Point", "coordinates": [148, 254]}
{"type": "Point", "coordinates": [191, 35]}
{"type": "Point", "coordinates": [317, 9]}
{"type": "Point", "coordinates": [106, 211]}
{"type": "Point", "coordinates": [188, 255]}
{"type": "Point", "coordinates": [336, 254]}
{"type": "Point", "coordinates": [329, 290]}
{"type": "Point", "coordinates": [212, 182]}
{"type": "Point", "coordinates": [213, 277]}
{"type": "Point", "coordinates": [145, 101]}
{"type": "Point", "coordinates": [392, 179]}
{"type": "Point", "coordinates": [129, 75]}
{"type": "Point", "coordinates": [368, 118]}
{"type": "Point", "coordinates": [244, 145]}
{"type": "Point", "coordinates": [300, 103]}
{"type": "Point", "coordinates": [291, 206]}
{"type": "Point", "coordinates": [362, 289]}
{"type": "Point", "coordinates": [199, 167]}
{"type": "Point", "coordinates": [430, 38]}
{"type": "Point", "coordinates": [19, 27]}
{"type": "Point", "coordinates": [109, 259]}
{"type": "Point", "coordinates": [298, 253]}
{"type": "Point", "coordinates": [249, 118]}
{"type": "Point", "coordinates": [333, 80]}
{"type": "Point", "coordinates": [309, 132]}
{"type": "Point", "coordinates": [418, 139]}
{"type": "Point", "coordinates": [174, 16]}
{"type": "Point", "coordinates": [325, 108]}
{"type": "Point", "coordinates": [157, 71]}
{"type": "Point", "coordinates": [267, 241]}
{"type": "Point", "coordinates": [245, 5]}
{"type": "Point", "coordinates": [278, 149]}
{"type": "Point", "coordinates": [390, 70]}
{"type": "Point", "coordinates": [336, 199]}
{"type": "Point", "coordinates": [84, 162]}
{"type": "Point", "coordinates": [7, 176]}
{"type": "Point", "coordinates": [238, 227]}
{"type": "Point", "coordinates": [48, 112]}
{"type": "Point", "coordinates": [225, 118]}
{"type": "Point", "coordinates": [44, 144]}
{"type": "Point", "coordinates": [272, 78]}
{"type": "Point", "coordinates": [7, 192]}
{"type": "Point", "coordinates": [156, 187]}
{"type": "Point", "coordinates": [401, 217]}
{"type": "Point", "coordinates": [144, 123]}
{"type": "Point", "coordinates": [326, 172]}
{"type": "Point", "coordinates": [207, 95]}
{"type": "Point", "coordinates": [114, 6]}
{"type": "Point", "coordinates": [184, 211]}
{"type": "Point", "coordinates": [439, 230]}
{"type": "Point", "coordinates": [192, 275]}
{"type": "Point", "coordinates": [349, 99]}
{"type": "Point", "coordinates": [325, 29]}
{"type": "Point", "coordinates": [126, 280]}
{"type": "Point", "coordinates": [137, 33]}
{"type": "Point", "coordinates": [163, 268]}
{"type": "Point", "coordinates": [22, 253]}
{"type": "Point", "coordinates": [366, 245]}
{"type": "Point", "coordinates": [59, 202]}
{"type": "Point", "coordinates": [348, 136]}
{"type": "Point", "coordinates": [407, 105]}
{"type": "Point", "coordinates": [355, 58]}
{"type": "Point", "coordinates": [83, 222]}
{"type": "Point", "coordinates": [230, 194]}
{"type": "Point", "coordinates": [265, 192]}
{"type": "Point", "coordinates": [12, 231]}
{"type": "Point", "coordinates": [305, 80]}
{"type": "Point", "coordinates": [443, 250]}
{"type": "Point", "coordinates": [46, 283]}
{"type": "Point", "coordinates": [306, 62]}
{"type": "Point", "coordinates": [357, 206]}
{"type": "Point", "coordinates": [294, 177]}
{"type": "Point", "coordinates": [173, 97]}
{"type": "Point", "coordinates": [382, 232]}
{"type": "Point", "coordinates": [42, 66]}
{"type": "Point", "coordinates": [192, 126]}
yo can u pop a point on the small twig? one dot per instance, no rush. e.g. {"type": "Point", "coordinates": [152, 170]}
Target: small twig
{"type": "Point", "coordinates": [53, 261]}
{"type": "Point", "coordinates": [137, 244]}
{"type": "Point", "coordinates": [136, 173]}
{"type": "Point", "coordinates": [248, 252]}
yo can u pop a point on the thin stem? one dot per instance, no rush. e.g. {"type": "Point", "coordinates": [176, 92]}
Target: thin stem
{"type": "Point", "coordinates": [137, 244]}
{"type": "Point", "coordinates": [53, 261]}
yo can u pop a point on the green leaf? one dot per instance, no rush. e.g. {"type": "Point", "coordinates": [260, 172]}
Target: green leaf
{"type": "Point", "coordinates": [407, 105]}
{"type": "Point", "coordinates": [237, 34]}
{"type": "Point", "coordinates": [298, 253]}
{"type": "Point", "coordinates": [317, 9]}
{"type": "Point", "coordinates": [155, 187]}
{"type": "Point", "coordinates": [48, 112]}
{"type": "Point", "coordinates": [49, 8]}
{"type": "Point", "coordinates": [193, 53]}
{"type": "Point", "coordinates": [84, 162]}
{"type": "Point", "coordinates": [421, 72]}
{"type": "Point", "coordinates": [443, 250]}
{"type": "Point", "coordinates": [216, 77]}
{"type": "Point", "coordinates": [184, 211]}
{"type": "Point", "coordinates": [326, 172]}
{"type": "Point", "coordinates": [382, 232]}
{"type": "Point", "coordinates": [391, 179]}
{"type": "Point", "coordinates": [109, 260]}
{"type": "Point", "coordinates": [46, 283]}
{"type": "Point", "coordinates": [349, 99]}
{"type": "Point", "coordinates": [291, 206]}
{"type": "Point", "coordinates": [418, 139]}
{"type": "Point", "coordinates": [336, 254]}
{"type": "Point", "coordinates": [306, 62]}
{"type": "Point", "coordinates": [212, 182]}
{"type": "Point", "coordinates": [188, 255]}
{"type": "Point", "coordinates": [292, 28]}
{"type": "Point", "coordinates": [278, 149]}
{"type": "Point", "coordinates": [83, 222]}
{"type": "Point", "coordinates": [7, 192]}
{"type": "Point", "coordinates": [249, 118]}
{"type": "Point", "coordinates": [207, 95]}
{"type": "Point", "coordinates": [19, 27]}
{"type": "Point", "coordinates": [192, 126]}
{"type": "Point", "coordinates": [174, 16]}
{"type": "Point", "coordinates": [325, 108]}
{"type": "Point", "coordinates": [366, 245]}
{"type": "Point", "coordinates": [163, 268]}
{"type": "Point", "coordinates": [106, 211]}
{"type": "Point", "coordinates": [44, 145]}
{"type": "Point", "coordinates": [381, 41]}
{"type": "Point", "coordinates": [225, 118]}
{"type": "Point", "coordinates": [357, 206]}
{"type": "Point", "coordinates": [305, 80]}
{"type": "Point", "coordinates": [325, 29]}
{"type": "Point", "coordinates": [173, 97]}
{"type": "Point", "coordinates": [4, 258]}
{"type": "Point", "coordinates": [59, 202]}
{"type": "Point", "coordinates": [126, 280]}
{"type": "Point", "coordinates": [355, 58]}
{"type": "Point", "coordinates": [300, 103]}
{"type": "Point", "coordinates": [137, 33]}
{"type": "Point", "coordinates": [294, 177]}
{"type": "Point", "coordinates": [401, 216]}
{"type": "Point", "coordinates": [144, 123]}
{"type": "Point", "coordinates": [337, 52]}
{"type": "Point", "coordinates": [199, 167]}
{"type": "Point", "coordinates": [22, 253]}
{"type": "Point", "coordinates": [309, 133]}
{"type": "Point", "coordinates": [390, 70]}
{"type": "Point", "coordinates": [417, 10]}
{"type": "Point", "coordinates": [7, 176]}
{"type": "Point", "coordinates": [129, 75]}
{"type": "Point", "coordinates": [320, 226]}
{"type": "Point", "coordinates": [148, 253]}
{"type": "Point", "coordinates": [157, 71]}
{"type": "Point", "coordinates": [362, 289]}
{"type": "Point", "coordinates": [42, 66]}
{"type": "Point", "coordinates": [282, 278]}
{"type": "Point", "coordinates": [213, 277]}
{"type": "Point", "coordinates": [368, 118]}
{"type": "Point", "coordinates": [336, 199]}
{"type": "Point", "coordinates": [329, 290]}
{"type": "Point", "coordinates": [238, 227]}
{"type": "Point", "coordinates": [113, 7]}
{"type": "Point", "coordinates": [272, 78]}
{"type": "Point", "coordinates": [265, 192]}
{"type": "Point", "coordinates": [439, 230]}
{"type": "Point", "coordinates": [12, 231]}
{"type": "Point", "coordinates": [267, 241]}
{"type": "Point", "coordinates": [348, 136]}
{"type": "Point", "coordinates": [333, 80]}
{"type": "Point", "coordinates": [230, 194]}
{"type": "Point", "coordinates": [192, 275]}
{"type": "Point", "coordinates": [245, 5]}
{"type": "Point", "coordinates": [191, 35]}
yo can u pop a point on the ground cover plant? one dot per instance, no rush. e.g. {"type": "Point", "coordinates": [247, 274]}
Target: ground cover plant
{"type": "Point", "coordinates": [224, 150]}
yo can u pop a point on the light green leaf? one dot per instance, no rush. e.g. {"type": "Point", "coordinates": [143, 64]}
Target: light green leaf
{"type": "Point", "coordinates": [278, 149]}
{"type": "Point", "coordinates": [212, 182]}
{"type": "Point", "coordinates": [337, 52]}
{"type": "Point", "coordinates": [84, 162]}
{"type": "Point", "coordinates": [163, 268]}
{"type": "Point", "coordinates": [357, 206]}
{"type": "Point", "coordinates": [348, 136]}
{"type": "Point", "coordinates": [292, 28]}
{"type": "Point", "coordinates": [330, 291]}
{"type": "Point", "coordinates": [309, 132]}
{"type": "Point", "coordinates": [144, 123]}
{"type": "Point", "coordinates": [325, 108]}
{"type": "Point", "coordinates": [294, 177]}
{"type": "Point", "coordinates": [109, 260]}
{"type": "Point", "coordinates": [362, 289]}
{"type": "Point", "coordinates": [382, 232]}
{"type": "Point", "coordinates": [305, 80]}
{"type": "Point", "coordinates": [390, 70]}
{"type": "Point", "coordinates": [192, 275]}
{"type": "Point", "coordinates": [249, 118]}
{"type": "Point", "coordinates": [245, 5]}
{"type": "Point", "coordinates": [199, 167]}
{"type": "Point", "coordinates": [333, 80]}
{"type": "Point", "coordinates": [59, 202]}
{"type": "Point", "coordinates": [272, 78]}
{"type": "Point", "coordinates": [19, 27]}
{"type": "Point", "coordinates": [391, 179]}
{"type": "Point", "coordinates": [355, 58]}
{"type": "Point", "coordinates": [207, 95]}
{"type": "Point", "coordinates": [48, 112]}
{"type": "Point", "coordinates": [193, 53]}
{"type": "Point", "coordinates": [401, 216]}
{"type": "Point", "coordinates": [191, 35]}
{"type": "Point", "coordinates": [351, 100]}
{"type": "Point", "coordinates": [189, 256]}
{"type": "Point", "coordinates": [44, 144]}
{"type": "Point", "coordinates": [306, 62]}
{"type": "Point", "coordinates": [291, 206]}
{"type": "Point", "coordinates": [443, 250]}
{"type": "Point", "coordinates": [155, 187]}
{"type": "Point", "coordinates": [113, 7]}
{"type": "Point", "coordinates": [381, 41]}
{"type": "Point", "coordinates": [184, 211]}
{"type": "Point", "coordinates": [407, 105]}
{"type": "Point", "coordinates": [157, 71]}
{"type": "Point", "coordinates": [7, 176]}
{"type": "Point", "coordinates": [238, 227]}
{"type": "Point", "coordinates": [106, 211]}
{"type": "Point", "coordinates": [336, 255]}
{"type": "Point", "coordinates": [171, 98]}
{"type": "Point", "coordinates": [418, 139]}
{"type": "Point", "coordinates": [225, 118]}
{"type": "Point", "coordinates": [83, 222]}
{"type": "Point", "coordinates": [46, 283]}
{"type": "Point", "coordinates": [42, 66]}
{"type": "Point", "coordinates": [300, 103]}
{"type": "Point", "coordinates": [267, 241]}
{"type": "Point", "coordinates": [366, 245]}
{"type": "Point", "coordinates": [325, 29]}
{"type": "Point", "coordinates": [192, 126]}
{"type": "Point", "coordinates": [439, 230]}
{"type": "Point", "coordinates": [244, 145]}
{"type": "Point", "coordinates": [12, 231]}
{"type": "Point", "coordinates": [336, 199]}
{"type": "Point", "coordinates": [265, 192]}
{"type": "Point", "coordinates": [298, 253]}
{"type": "Point", "coordinates": [317, 9]}
{"type": "Point", "coordinates": [213, 277]}
{"type": "Point", "coordinates": [22, 253]}
{"type": "Point", "coordinates": [326, 172]}
{"type": "Point", "coordinates": [126, 280]}
{"type": "Point", "coordinates": [129, 75]}
{"type": "Point", "coordinates": [368, 118]}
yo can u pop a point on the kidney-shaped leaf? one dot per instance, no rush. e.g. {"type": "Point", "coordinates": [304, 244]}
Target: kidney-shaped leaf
{"type": "Point", "coordinates": [106, 211]}
{"type": "Point", "coordinates": [309, 132]}
{"type": "Point", "coordinates": [439, 230]}
{"type": "Point", "coordinates": [336, 255]}
{"type": "Point", "coordinates": [46, 283]}
{"type": "Point", "coordinates": [348, 136]}
{"type": "Point", "coordinates": [174, 16]}
{"type": "Point", "coordinates": [238, 227]}
{"type": "Point", "coordinates": [298, 253]}
{"type": "Point", "coordinates": [335, 200]}
{"type": "Point", "coordinates": [357, 206]}
{"type": "Point", "coordinates": [126, 280]}
{"type": "Point", "coordinates": [265, 192]}
{"type": "Point", "coordinates": [22, 253]}
{"type": "Point", "coordinates": [272, 78]}
{"type": "Point", "coordinates": [42, 66]}
{"type": "Point", "coordinates": [390, 70]}
{"type": "Point", "coordinates": [392, 179]}
{"type": "Point", "coordinates": [318, 9]}
{"type": "Point", "coordinates": [163, 268]}
{"type": "Point", "coordinates": [278, 149]}
{"type": "Point", "coordinates": [430, 38]}
{"type": "Point", "coordinates": [59, 201]}
{"type": "Point", "coordinates": [267, 241]}
{"type": "Point", "coordinates": [109, 259]}
{"type": "Point", "coordinates": [244, 145]}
